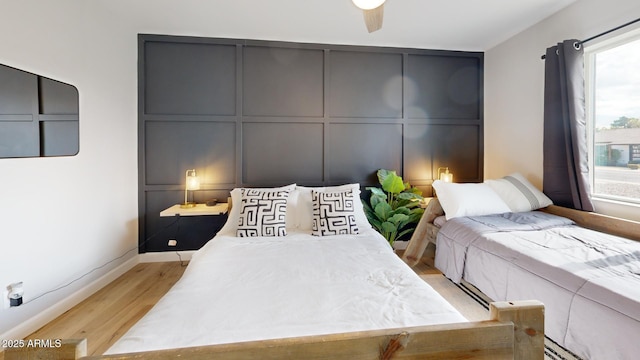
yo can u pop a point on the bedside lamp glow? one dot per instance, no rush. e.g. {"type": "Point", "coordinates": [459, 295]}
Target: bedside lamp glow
{"type": "Point", "coordinates": [192, 183]}
{"type": "Point", "coordinates": [445, 175]}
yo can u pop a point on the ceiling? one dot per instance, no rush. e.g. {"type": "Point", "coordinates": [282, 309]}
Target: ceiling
{"type": "Point", "coordinates": [465, 24]}
{"type": "Point", "coordinates": [470, 25]}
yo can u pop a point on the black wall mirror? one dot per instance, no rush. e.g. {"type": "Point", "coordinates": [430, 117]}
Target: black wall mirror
{"type": "Point", "coordinates": [38, 115]}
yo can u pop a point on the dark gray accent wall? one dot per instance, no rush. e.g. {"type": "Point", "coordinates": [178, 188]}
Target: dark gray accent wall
{"type": "Point", "coordinates": [38, 115]}
{"type": "Point", "coordinates": [258, 113]}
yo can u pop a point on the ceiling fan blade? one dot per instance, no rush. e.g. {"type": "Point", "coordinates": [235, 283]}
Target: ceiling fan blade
{"type": "Point", "coordinates": [373, 18]}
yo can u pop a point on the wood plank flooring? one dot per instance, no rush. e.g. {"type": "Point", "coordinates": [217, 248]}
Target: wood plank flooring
{"type": "Point", "coordinates": [425, 265]}
{"type": "Point", "coordinates": [109, 313]}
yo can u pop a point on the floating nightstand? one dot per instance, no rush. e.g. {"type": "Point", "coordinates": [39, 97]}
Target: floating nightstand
{"type": "Point", "coordinates": [196, 210]}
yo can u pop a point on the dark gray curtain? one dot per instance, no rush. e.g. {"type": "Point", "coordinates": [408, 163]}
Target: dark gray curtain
{"type": "Point", "coordinates": [566, 169]}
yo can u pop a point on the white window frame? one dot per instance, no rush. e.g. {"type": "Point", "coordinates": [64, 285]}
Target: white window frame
{"type": "Point", "coordinates": [590, 50]}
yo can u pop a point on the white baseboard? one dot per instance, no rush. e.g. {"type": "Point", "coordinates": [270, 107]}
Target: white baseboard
{"type": "Point", "coordinates": [166, 256]}
{"type": "Point", "coordinates": [33, 324]}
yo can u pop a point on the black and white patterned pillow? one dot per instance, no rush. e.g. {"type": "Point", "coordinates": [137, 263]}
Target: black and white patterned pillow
{"type": "Point", "coordinates": [262, 213]}
{"type": "Point", "coordinates": [333, 213]}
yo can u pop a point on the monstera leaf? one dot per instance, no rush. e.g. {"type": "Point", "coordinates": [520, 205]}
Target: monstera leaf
{"type": "Point", "coordinates": [390, 181]}
{"type": "Point", "coordinates": [394, 209]}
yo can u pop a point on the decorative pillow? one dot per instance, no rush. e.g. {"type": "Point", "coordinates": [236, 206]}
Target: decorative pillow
{"type": "Point", "coordinates": [469, 199]}
{"type": "Point", "coordinates": [262, 213]}
{"type": "Point", "coordinates": [334, 213]}
{"type": "Point", "coordinates": [231, 226]}
{"type": "Point", "coordinates": [518, 193]}
{"type": "Point", "coordinates": [304, 206]}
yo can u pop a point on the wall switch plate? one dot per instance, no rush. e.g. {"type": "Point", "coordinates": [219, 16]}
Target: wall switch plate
{"type": "Point", "coordinates": [173, 242]}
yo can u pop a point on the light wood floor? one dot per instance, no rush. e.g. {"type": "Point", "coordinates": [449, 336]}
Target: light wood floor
{"type": "Point", "coordinates": [109, 313]}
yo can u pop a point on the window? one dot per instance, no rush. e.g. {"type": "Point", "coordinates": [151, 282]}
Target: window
{"type": "Point", "coordinates": [613, 112]}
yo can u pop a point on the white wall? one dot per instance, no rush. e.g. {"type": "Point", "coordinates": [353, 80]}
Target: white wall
{"type": "Point", "coordinates": [514, 82]}
{"type": "Point", "coordinates": [61, 217]}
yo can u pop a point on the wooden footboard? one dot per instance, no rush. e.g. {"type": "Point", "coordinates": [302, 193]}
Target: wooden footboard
{"type": "Point", "coordinates": [594, 221]}
{"type": "Point", "coordinates": [515, 331]}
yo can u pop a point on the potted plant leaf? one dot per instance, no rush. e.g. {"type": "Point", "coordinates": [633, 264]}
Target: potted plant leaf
{"type": "Point", "coordinates": [393, 210]}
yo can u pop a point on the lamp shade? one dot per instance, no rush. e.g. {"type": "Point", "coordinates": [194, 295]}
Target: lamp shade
{"type": "Point", "coordinates": [368, 4]}
{"type": "Point", "coordinates": [445, 175]}
{"type": "Point", "coordinates": [193, 183]}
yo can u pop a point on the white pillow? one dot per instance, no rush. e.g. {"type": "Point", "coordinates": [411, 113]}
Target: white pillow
{"type": "Point", "coordinates": [262, 213]}
{"type": "Point", "coordinates": [469, 199]}
{"type": "Point", "coordinates": [231, 226]}
{"type": "Point", "coordinates": [334, 213]}
{"type": "Point", "coordinates": [304, 205]}
{"type": "Point", "coordinates": [518, 193]}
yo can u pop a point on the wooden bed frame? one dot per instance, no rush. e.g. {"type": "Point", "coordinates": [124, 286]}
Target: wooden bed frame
{"type": "Point", "coordinates": [426, 231]}
{"type": "Point", "coordinates": [515, 331]}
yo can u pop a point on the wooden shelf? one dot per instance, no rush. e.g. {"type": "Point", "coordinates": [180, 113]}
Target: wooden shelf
{"type": "Point", "coordinates": [198, 210]}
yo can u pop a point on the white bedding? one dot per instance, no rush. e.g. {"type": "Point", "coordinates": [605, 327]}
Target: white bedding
{"type": "Point", "coordinates": [588, 281]}
{"type": "Point", "coordinates": [242, 289]}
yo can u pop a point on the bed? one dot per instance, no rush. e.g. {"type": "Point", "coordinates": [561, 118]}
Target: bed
{"type": "Point", "coordinates": [299, 270]}
{"type": "Point", "coordinates": [589, 281]}
{"type": "Point", "coordinates": [258, 288]}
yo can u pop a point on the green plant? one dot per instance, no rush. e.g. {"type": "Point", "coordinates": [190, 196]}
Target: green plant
{"type": "Point", "coordinates": [395, 209]}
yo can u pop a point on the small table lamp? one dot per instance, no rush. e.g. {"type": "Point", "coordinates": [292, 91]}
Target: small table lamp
{"type": "Point", "coordinates": [445, 176]}
{"type": "Point", "coordinates": [192, 183]}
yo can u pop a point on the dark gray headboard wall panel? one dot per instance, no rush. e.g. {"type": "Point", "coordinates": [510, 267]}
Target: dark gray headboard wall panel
{"type": "Point", "coordinates": [257, 113]}
{"type": "Point", "coordinates": [282, 82]}
{"type": "Point", "coordinates": [267, 149]}
{"type": "Point", "coordinates": [174, 145]}
{"type": "Point", "coordinates": [189, 79]}
{"type": "Point", "coordinates": [365, 85]}
{"type": "Point", "coordinates": [356, 148]}
{"type": "Point", "coordinates": [460, 147]}
{"type": "Point", "coordinates": [444, 87]}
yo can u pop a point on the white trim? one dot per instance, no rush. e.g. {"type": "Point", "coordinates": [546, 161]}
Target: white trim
{"type": "Point", "coordinates": [611, 41]}
{"type": "Point", "coordinates": [33, 324]}
{"type": "Point", "coordinates": [590, 52]}
{"type": "Point", "coordinates": [166, 256]}
{"type": "Point", "coordinates": [619, 209]}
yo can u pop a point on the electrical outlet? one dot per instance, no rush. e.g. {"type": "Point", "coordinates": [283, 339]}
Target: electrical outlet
{"type": "Point", "coordinates": [15, 292]}
{"type": "Point", "coordinates": [173, 242]}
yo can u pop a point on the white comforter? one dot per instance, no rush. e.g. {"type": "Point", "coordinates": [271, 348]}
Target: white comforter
{"type": "Point", "coordinates": [242, 289]}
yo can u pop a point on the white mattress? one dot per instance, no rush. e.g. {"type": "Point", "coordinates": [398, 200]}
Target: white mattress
{"type": "Point", "coordinates": [242, 289]}
{"type": "Point", "coordinates": [588, 281]}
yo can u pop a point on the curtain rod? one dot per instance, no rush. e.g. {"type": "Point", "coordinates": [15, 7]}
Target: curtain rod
{"type": "Point", "coordinates": [603, 33]}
